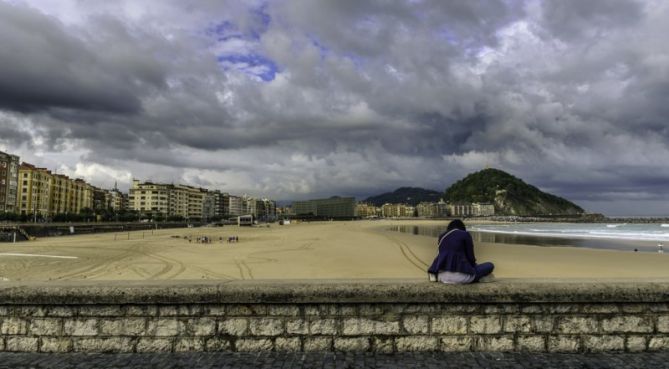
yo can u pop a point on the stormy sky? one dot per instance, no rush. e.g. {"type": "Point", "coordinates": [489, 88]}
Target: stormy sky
{"type": "Point", "coordinates": [296, 99]}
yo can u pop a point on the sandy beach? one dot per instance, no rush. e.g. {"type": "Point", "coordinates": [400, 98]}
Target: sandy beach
{"type": "Point", "coordinates": [318, 250]}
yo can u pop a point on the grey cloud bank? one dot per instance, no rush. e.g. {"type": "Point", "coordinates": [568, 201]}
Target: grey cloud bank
{"type": "Point", "coordinates": [299, 99]}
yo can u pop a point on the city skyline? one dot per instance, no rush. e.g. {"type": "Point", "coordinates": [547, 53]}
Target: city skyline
{"type": "Point", "coordinates": [296, 100]}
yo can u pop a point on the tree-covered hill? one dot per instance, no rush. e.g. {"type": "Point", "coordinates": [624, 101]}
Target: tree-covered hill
{"type": "Point", "coordinates": [405, 195]}
{"type": "Point", "coordinates": [510, 195]}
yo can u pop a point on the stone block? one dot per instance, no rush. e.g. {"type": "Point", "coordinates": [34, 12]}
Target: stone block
{"type": "Point", "coordinates": [100, 310]}
{"type": "Point", "coordinates": [55, 344]}
{"type": "Point", "coordinates": [531, 309]}
{"type": "Point", "coordinates": [659, 343]}
{"type": "Point", "coordinates": [485, 324]}
{"type": "Point", "coordinates": [253, 344]}
{"type": "Point", "coordinates": [456, 343]}
{"type": "Point", "coordinates": [564, 344]}
{"type": "Point", "coordinates": [297, 326]}
{"type": "Point", "coordinates": [21, 344]}
{"type": "Point", "coordinates": [636, 343]}
{"type": "Point", "coordinates": [600, 309]}
{"type": "Point", "coordinates": [603, 343]}
{"type": "Point", "coordinates": [345, 310]}
{"type": "Point", "coordinates": [449, 325]}
{"type": "Point", "coordinates": [417, 343]}
{"type": "Point", "coordinates": [151, 344]}
{"type": "Point", "coordinates": [494, 343]}
{"type": "Point", "coordinates": [543, 323]}
{"type": "Point", "coordinates": [13, 326]}
{"type": "Point", "coordinates": [367, 310]}
{"type": "Point", "coordinates": [561, 308]}
{"type": "Point", "coordinates": [323, 326]}
{"type": "Point", "coordinates": [215, 310]}
{"type": "Point", "coordinates": [351, 344]}
{"type": "Point", "coordinates": [283, 310]}
{"type": "Point", "coordinates": [162, 327]}
{"type": "Point", "coordinates": [27, 311]}
{"type": "Point", "coordinates": [185, 344]}
{"type": "Point", "coordinates": [531, 343]}
{"type": "Point", "coordinates": [218, 344]}
{"type": "Point", "coordinates": [80, 327]}
{"type": "Point", "coordinates": [233, 326]}
{"type": "Point", "coordinates": [363, 326]}
{"type": "Point", "coordinates": [634, 308]}
{"type": "Point", "coordinates": [46, 327]}
{"type": "Point", "coordinates": [627, 324]}
{"type": "Point", "coordinates": [266, 326]}
{"type": "Point", "coordinates": [500, 309]}
{"type": "Point", "coordinates": [96, 344]}
{"type": "Point", "coordinates": [318, 344]}
{"type": "Point", "coordinates": [660, 307]}
{"type": "Point", "coordinates": [416, 324]}
{"type": "Point", "coordinates": [246, 310]}
{"type": "Point", "coordinates": [287, 344]}
{"type": "Point", "coordinates": [517, 324]}
{"type": "Point", "coordinates": [575, 325]}
{"type": "Point", "coordinates": [449, 309]}
{"type": "Point", "coordinates": [663, 324]}
{"type": "Point", "coordinates": [201, 327]}
{"type": "Point", "coordinates": [421, 309]}
{"type": "Point", "coordinates": [123, 327]}
{"type": "Point", "coordinates": [141, 310]}
{"type": "Point", "coordinates": [168, 311]}
{"type": "Point", "coordinates": [383, 345]}
{"type": "Point", "coordinates": [61, 311]}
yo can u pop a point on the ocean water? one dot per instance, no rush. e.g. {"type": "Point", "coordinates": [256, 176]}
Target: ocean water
{"type": "Point", "coordinates": [618, 236]}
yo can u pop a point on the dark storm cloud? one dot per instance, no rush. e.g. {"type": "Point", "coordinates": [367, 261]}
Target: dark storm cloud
{"type": "Point", "coordinates": [45, 67]}
{"type": "Point", "coordinates": [312, 98]}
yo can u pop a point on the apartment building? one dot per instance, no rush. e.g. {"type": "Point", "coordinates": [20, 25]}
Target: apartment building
{"type": "Point", "coordinates": [167, 199]}
{"type": "Point", "coordinates": [432, 209]}
{"type": "Point", "coordinates": [367, 210]}
{"type": "Point", "coordinates": [34, 195]}
{"type": "Point", "coordinates": [397, 210]}
{"type": "Point", "coordinates": [9, 176]}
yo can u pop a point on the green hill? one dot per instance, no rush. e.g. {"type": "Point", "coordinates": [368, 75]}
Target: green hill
{"type": "Point", "coordinates": [510, 195]}
{"type": "Point", "coordinates": [405, 195]}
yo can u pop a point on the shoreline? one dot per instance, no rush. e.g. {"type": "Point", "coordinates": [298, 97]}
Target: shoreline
{"type": "Point", "coordinates": [316, 250]}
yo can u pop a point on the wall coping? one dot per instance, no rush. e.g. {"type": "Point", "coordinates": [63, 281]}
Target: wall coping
{"type": "Point", "coordinates": [335, 291]}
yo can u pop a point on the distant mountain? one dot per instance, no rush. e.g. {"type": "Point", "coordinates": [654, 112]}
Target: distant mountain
{"type": "Point", "coordinates": [405, 195]}
{"type": "Point", "coordinates": [510, 195]}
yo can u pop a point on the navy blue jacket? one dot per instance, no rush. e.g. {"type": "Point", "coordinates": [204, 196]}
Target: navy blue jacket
{"type": "Point", "coordinates": [456, 253]}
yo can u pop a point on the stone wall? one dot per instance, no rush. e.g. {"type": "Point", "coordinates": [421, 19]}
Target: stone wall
{"type": "Point", "coordinates": [380, 316]}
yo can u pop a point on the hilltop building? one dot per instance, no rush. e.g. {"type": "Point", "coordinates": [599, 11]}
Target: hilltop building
{"type": "Point", "coordinates": [334, 207]}
{"type": "Point", "coordinates": [9, 177]}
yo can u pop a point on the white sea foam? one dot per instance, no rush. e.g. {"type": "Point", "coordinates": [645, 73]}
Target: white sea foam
{"type": "Point", "coordinates": [641, 232]}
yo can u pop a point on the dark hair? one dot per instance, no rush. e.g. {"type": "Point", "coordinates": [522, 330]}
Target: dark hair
{"type": "Point", "coordinates": [456, 224]}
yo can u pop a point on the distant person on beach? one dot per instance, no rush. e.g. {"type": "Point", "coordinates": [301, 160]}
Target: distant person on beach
{"type": "Point", "coordinates": [455, 263]}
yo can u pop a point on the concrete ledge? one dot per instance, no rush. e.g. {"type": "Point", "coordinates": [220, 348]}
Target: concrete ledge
{"type": "Point", "coordinates": [335, 315]}
{"type": "Point", "coordinates": [335, 291]}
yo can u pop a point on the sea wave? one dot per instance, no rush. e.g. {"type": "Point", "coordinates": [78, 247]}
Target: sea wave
{"type": "Point", "coordinates": [585, 233]}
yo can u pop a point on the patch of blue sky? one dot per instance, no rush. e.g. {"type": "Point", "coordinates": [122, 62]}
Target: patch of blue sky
{"type": "Point", "coordinates": [255, 65]}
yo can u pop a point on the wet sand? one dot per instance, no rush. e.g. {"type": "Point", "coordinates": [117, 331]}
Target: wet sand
{"type": "Point", "coordinates": [319, 250]}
